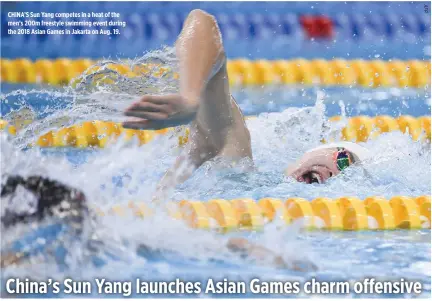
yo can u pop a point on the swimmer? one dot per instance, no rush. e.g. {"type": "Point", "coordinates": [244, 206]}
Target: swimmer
{"type": "Point", "coordinates": [35, 199]}
{"type": "Point", "coordinates": [217, 125]}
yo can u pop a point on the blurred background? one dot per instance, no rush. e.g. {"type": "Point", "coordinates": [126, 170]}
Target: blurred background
{"type": "Point", "coordinates": [372, 56]}
{"type": "Point", "coordinates": [271, 30]}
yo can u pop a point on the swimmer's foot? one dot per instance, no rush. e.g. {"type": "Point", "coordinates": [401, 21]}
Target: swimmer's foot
{"type": "Point", "coordinates": [153, 112]}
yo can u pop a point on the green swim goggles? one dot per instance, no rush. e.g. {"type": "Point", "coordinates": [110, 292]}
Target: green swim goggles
{"type": "Point", "coordinates": [342, 158]}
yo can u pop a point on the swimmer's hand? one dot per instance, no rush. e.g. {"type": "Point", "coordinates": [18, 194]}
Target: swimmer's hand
{"type": "Point", "coordinates": [154, 112]}
{"type": "Point", "coordinates": [265, 256]}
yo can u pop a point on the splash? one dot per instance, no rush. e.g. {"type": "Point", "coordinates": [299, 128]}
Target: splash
{"type": "Point", "coordinates": [129, 172]}
{"type": "Point", "coordinates": [102, 92]}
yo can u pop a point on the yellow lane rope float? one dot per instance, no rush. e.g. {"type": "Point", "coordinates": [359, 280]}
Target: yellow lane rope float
{"type": "Point", "coordinates": [100, 133]}
{"type": "Point", "coordinates": [242, 72]}
{"type": "Point", "coordinates": [344, 213]}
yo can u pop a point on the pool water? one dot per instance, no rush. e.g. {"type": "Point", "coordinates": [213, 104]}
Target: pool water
{"type": "Point", "coordinates": [290, 122]}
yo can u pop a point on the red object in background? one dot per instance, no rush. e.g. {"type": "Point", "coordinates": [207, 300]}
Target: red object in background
{"type": "Point", "coordinates": [317, 26]}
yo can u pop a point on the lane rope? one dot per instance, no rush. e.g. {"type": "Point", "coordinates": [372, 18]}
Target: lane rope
{"type": "Point", "coordinates": [101, 133]}
{"type": "Point", "coordinates": [344, 213]}
{"type": "Point", "coordinates": [241, 72]}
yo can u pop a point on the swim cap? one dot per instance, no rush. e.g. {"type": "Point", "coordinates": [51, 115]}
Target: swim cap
{"type": "Point", "coordinates": [36, 197]}
{"type": "Point", "coordinates": [359, 153]}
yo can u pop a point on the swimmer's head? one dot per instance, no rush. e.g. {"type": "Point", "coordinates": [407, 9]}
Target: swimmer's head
{"type": "Point", "coordinates": [326, 161]}
{"type": "Point", "coordinates": [34, 198]}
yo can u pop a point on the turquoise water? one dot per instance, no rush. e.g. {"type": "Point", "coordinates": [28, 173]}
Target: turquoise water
{"type": "Point", "coordinates": [124, 172]}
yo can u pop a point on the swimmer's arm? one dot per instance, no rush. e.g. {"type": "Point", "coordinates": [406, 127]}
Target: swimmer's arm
{"type": "Point", "coordinates": [192, 156]}
{"type": "Point", "coordinates": [204, 98]}
{"type": "Point", "coordinates": [200, 52]}
{"type": "Point", "coordinates": [264, 255]}
{"type": "Point", "coordinates": [201, 55]}
{"type": "Point", "coordinates": [257, 252]}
